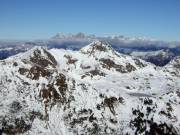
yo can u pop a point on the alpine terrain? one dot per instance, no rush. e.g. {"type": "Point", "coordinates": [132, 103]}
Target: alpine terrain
{"type": "Point", "coordinates": [95, 90]}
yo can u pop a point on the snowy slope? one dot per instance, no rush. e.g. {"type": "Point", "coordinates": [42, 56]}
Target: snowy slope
{"type": "Point", "coordinates": [92, 91]}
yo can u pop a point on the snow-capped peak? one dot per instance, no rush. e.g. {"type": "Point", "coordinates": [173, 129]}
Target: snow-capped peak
{"type": "Point", "coordinates": [39, 56]}
{"type": "Point", "coordinates": [97, 47]}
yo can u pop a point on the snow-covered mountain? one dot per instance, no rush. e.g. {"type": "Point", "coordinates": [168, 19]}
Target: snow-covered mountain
{"type": "Point", "coordinates": [160, 57]}
{"type": "Point", "coordinates": [95, 90]}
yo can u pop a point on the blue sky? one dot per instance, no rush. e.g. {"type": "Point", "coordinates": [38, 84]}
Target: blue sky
{"type": "Point", "coordinates": [40, 19]}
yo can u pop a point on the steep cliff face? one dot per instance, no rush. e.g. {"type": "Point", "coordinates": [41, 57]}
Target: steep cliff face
{"type": "Point", "coordinates": [92, 91]}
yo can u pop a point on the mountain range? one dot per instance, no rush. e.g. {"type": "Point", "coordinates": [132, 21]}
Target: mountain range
{"type": "Point", "coordinates": [93, 90]}
{"type": "Point", "coordinates": [120, 43]}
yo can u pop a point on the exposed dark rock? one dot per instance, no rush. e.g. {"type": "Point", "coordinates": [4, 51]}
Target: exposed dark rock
{"type": "Point", "coordinates": [15, 126]}
{"type": "Point", "coordinates": [167, 114]}
{"type": "Point", "coordinates": [95, 129]}
{"type": "Point", "coordinates": [161, 129]}
{"type": "Point", "coordinates": [35, 72]}
{"type": "Point", "coordinates": [98, 106]}
{"type": "Point", "coordinates": [83, 111]}
{"type": "Point", "coordinates": [26, 83]}
{"type": "Point", "coordinates": [178, 93]}
{"type": "Point", "coordinates": [96, 72]}
{"type": "Point", "coordinates": [108, 63]}
{"type": "Point", "coordinates": [45, 94]}
{"type": "Point", "coordinates": [41, 61]}
{"type": "Point", "coordinates": [35, 114]}
{"type": "Point", "coordinates": [15, 107]}
{"type": "Point", "coordinates": [83, 86]}
{"type": "Point", "coordinates": [109, 102]}
{"type": "Point", "coordinates": [92, 118]}
{"type": "Point", "coordinates": [79, 120]}
{"type": "Point", "coordinates": [121, 100]}
{"type": "Point", "coordinates": [61, 83]}
{"type": "Point", "coordinates": [85, 67]}
{"type": "Point", "coordinates": [99, 48]}
{"type": "Point", "coordinates": [113, 121]}
{"type": "Point", "coordinates": [15, 64]}
{"type": "Point", "coordinates": [23, 71]}
{"type": "Point", "coordinates": [139, 63]}
{"type": "Point", "coordinates": [50, 94]}
{"type": "Point", "coordinates": [101, 95]}
{"type": "Point", "coordinates": [148, 101]}
{"type": "Point", "coordinates": [130, 67]}
{"type": "Point", "coordinates": [92, 73]}
{"type": "Point", "coordinates": [70, 59]}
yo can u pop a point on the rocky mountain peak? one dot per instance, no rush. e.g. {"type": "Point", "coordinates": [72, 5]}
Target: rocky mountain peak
{"type": "Point", "coordinates": [97, 46]}
{"type": "Point", "coordinates": [41, 57]}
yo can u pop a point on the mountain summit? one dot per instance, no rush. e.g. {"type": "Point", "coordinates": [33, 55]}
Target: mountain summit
{"type": "Point", "coordinates": [98, 48]}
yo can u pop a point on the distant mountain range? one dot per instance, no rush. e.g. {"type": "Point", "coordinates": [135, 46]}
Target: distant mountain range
{"type": "Point", "coordinates": [120, 43]}
{"type": "Point", "coordinates": [159, 57]}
